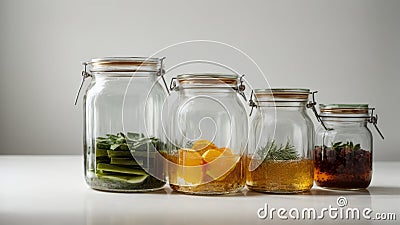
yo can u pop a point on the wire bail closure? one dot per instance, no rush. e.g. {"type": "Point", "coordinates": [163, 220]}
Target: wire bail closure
{"type": "Point", "coordinates": [311, 105]}
{"type": "Point", "coordinates": [240, 89]}
{"type": "Point", "coordinates": [161, 74]}
{"type": "Point", "coordinates": [252, 104]}
{"type": "Point", "coordinates": [85, 75]}
{"type": "Point", "coordinates": [173, 86]}
{"type": "Point", "coordinates": [374, 120]}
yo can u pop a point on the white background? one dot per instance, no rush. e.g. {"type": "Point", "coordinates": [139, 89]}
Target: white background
{"type": "Point", "coordinates": [348, 50]}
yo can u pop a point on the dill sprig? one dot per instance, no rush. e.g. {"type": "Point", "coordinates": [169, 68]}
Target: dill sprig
{"type": "Point", "coordinates": [271, 151]}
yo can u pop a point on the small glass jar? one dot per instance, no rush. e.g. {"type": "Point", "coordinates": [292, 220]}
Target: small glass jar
{"type": "Point", "coordinates": [343, 151]}
{"type": "Point", "coordinates": [122, 124]}
{"type": "Point", "coordinates": [280, 156]}
{"type": "Point", "coordinates": [208, 134]}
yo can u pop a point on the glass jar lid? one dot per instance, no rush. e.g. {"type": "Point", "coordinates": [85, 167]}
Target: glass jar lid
{"type": "Point", "coordinates": [207, 79]}
{"type": "Point", "coordinates": [123, 67]}
{"type": "Point", "coordinates": [282, 94]}
{"type": "Point", "coordinates": [359, 112]}
{"type": "Point", "coordinates": [347, 109]}
{"type": "Point", "coordinates": [124, 64]}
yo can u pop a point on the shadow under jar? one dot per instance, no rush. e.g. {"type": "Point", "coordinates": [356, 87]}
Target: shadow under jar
{"type": "Point", "coordinates": [209, 135]}
{"type": "Point", "coordinates": [343, 151]}
{"type": "Point", "coordinates": [122, 124]}
{"type": "Point", "coordinates": [280, 156]}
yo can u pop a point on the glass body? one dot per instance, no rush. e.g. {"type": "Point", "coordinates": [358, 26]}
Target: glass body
{"type": "Point", "coordinates": [343, 151]}
{"type": "Point", "coordinates": [209, 136]}
{"type": "Point", "coordinates": [122, 125]}
{"type": "Point", "coordinates": [280, 156]}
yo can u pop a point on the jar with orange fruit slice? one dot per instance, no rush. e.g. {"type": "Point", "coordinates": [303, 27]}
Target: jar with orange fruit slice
{"type": "Point", "coordinates": [206, 169]}
{"type": "Point", "coordinates": [208, 132]}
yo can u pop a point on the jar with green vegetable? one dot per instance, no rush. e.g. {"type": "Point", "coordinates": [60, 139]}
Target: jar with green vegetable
{"type": "Point", "coordinates": [123, 141]}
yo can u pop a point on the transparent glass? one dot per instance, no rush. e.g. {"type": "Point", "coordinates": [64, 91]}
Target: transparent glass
{"type": "Point", "coordinates": [209, 135]}
{"type": "Point", "coordinates": [343, 151]}
{"type": "Point", "coordinates": [123, 139]}
{"type": "Point", "coordinates": [280, 156]}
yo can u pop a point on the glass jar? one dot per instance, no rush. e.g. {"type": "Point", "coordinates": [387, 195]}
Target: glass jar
{"type": "Point", "coordinates": [208, 134]}
{"type": "Point", "coordinates": [122, 124]}
{"type": "Point", "coordinates": [280, 156]}
{"type": "Point", "coordinates": [343, 151]}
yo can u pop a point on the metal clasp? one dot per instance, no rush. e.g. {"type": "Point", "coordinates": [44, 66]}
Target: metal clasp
{"type": "Point", "coordinates": [374, 120]}
{"type": "Point", "coordinates": [85, 75]}
{"type": "Point", "coordinates": [172, 85]}
{"type": "Point", "coordinates": [161, 73]}
{"type": "Point", "coordinates": [311, 105]}
{"type": "Point", "coordinates": [241, 88]}
{"type": "Point", "coordinates": [252, 104]}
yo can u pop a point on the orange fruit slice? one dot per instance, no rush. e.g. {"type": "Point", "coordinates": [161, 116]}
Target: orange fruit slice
{"type": "Point", "coordinates": [190, 175]}
{"type": "Point", "coordinates": [189, 157]}
{"type": "Point", "coordinates": [225, 151]}
{"type": "Point", "coordinates": [203, 145]}
{"type": "Point", "coordinates": [222, 166]}
{"type": "Point", "coordinates": [190, 170]}
{"type": "Point", "coordinates": [211, 155]}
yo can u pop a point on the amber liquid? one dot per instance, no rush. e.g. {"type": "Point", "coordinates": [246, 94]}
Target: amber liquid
{"type": "Point", "coordinates": [233, 180]}
{"type": "Point", "coordinates": [343, 168]}
{"type": "Point", "coordinates": [281, 176]}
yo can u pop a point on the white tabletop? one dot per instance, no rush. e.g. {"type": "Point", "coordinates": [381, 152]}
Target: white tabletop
{"type": "Point", "coordinates": [52, 190]}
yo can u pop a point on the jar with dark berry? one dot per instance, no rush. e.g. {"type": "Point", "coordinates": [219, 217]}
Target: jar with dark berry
{"type": "Point", "coordinates": [344, 144]}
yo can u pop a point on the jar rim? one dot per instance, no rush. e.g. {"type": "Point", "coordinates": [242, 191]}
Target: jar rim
{"type": "Point", "coordinates": [207, 75]}
{"type": "Point", "coordinates": [124, 64]}
{"type": "Point", "coordinates": [124, 59]}
{"type": "Point", "coordinates": [344, 108]}
{"type": "Point", "coordinates": [207, 78]}
{"type": "Point", "coordinates": [283, 93]}
{"type": "Point", "coordinates": [283, 90]}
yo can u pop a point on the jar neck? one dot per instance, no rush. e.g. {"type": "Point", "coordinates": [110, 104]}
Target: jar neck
{"type": "Point", "coordinates": [344, 122]}
{"type": "Point", "coordinates": [336, 120]}
{"type": "Point", "coordinates": [123, 77]}
{"type": "Point", "coordinates": [217, 91]}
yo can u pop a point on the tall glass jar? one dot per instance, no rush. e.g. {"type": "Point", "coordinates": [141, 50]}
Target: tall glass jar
{"type": "Point", "coordinates": [208, 134]}
{"type": "Point", "coordinates": [343, 151]}
{"type": "Point", "coordinates": [122, 124]}
{"type": "Point", "coordinates": [280, 156]}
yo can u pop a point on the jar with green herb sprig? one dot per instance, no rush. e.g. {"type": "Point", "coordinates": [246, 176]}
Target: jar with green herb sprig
{"type": "Point", "coordinates": [343, 151]}
{"type": "Point", "coordinates": [280, 156]}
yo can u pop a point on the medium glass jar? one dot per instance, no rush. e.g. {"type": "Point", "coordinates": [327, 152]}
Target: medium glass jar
{"type": "Point", "coordinates": [208, 134]}
{"type": "Point", "coordinates": [280, 156]}
{"type": "Point", "coordinates": [122, 124]}
{"type": "Point", "coordinates": [343, 151]}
